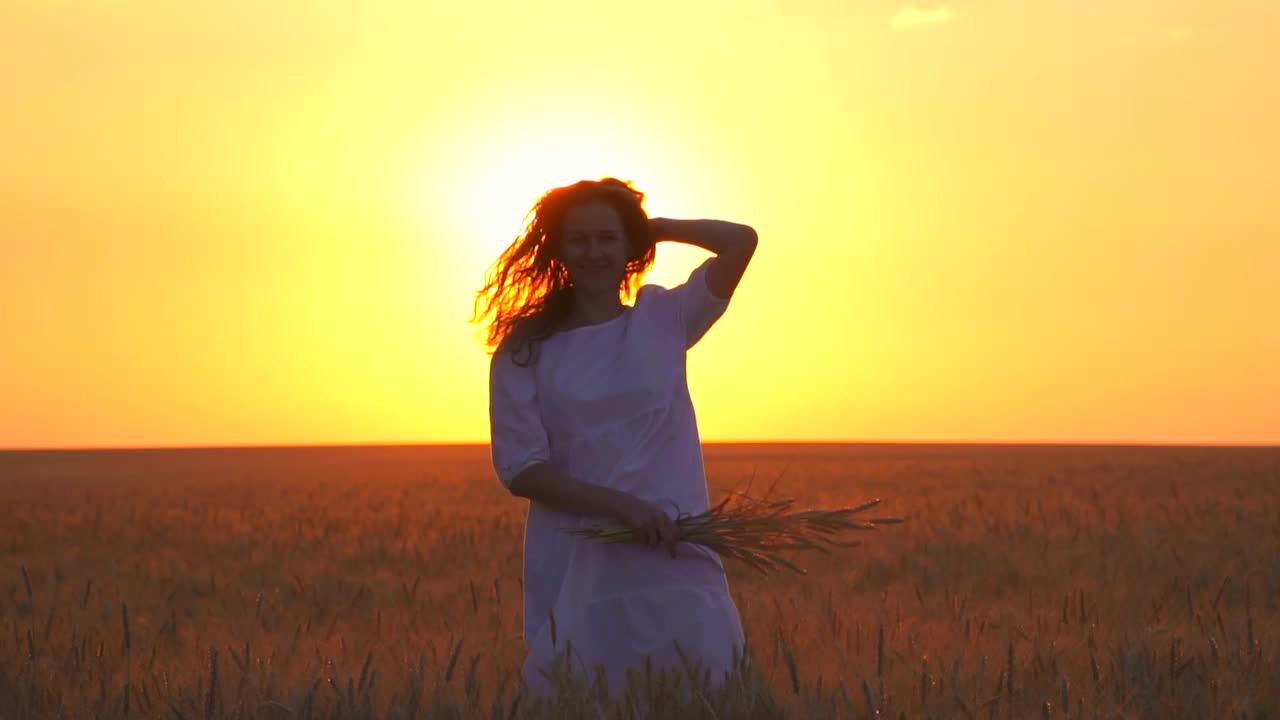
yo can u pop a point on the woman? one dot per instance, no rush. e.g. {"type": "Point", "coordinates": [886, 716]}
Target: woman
{"type": "Point", "coordinates": [591, 420]}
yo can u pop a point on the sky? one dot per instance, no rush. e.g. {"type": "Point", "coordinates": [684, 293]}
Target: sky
{"type": "Point", "coordinates": [248, 223]}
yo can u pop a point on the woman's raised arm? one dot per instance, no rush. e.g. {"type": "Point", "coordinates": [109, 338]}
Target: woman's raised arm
{"type": "Point", "coordinates": [733, 243]}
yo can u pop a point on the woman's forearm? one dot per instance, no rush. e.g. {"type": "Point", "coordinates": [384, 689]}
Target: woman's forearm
{"type": "Point", "coordinates": [719, 236]}
{"type": "Point", "coordinates": [543, 483]}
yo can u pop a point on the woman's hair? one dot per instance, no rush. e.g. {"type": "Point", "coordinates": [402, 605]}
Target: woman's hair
{"type": "Point", "coordinates": [527, 289]}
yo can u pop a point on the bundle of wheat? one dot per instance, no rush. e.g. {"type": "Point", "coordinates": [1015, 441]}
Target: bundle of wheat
{"type": "Point", "coordinates": [754, 530]}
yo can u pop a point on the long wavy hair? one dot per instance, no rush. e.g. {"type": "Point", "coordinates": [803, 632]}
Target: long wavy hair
{"type": "Point", "coordinates": [527, 289]}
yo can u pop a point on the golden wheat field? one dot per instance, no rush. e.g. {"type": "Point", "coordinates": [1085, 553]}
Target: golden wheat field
{"type": "Point", "coordinates": [384, 582]}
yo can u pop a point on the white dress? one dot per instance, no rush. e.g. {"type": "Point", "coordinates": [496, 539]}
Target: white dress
{"type": "Point", "coordinates": [609, 404]}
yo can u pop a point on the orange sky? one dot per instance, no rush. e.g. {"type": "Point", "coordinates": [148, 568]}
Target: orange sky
{"type": "Point", "coordinates": [240, 222]}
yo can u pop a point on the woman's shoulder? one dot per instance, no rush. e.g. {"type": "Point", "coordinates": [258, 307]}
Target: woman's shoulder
{"type": "Point", "coordinates": [521, 346]}
{"type": "Point", "coordinates": [650, 292]}
{"type": "Point", "coordinates": [656, 302]}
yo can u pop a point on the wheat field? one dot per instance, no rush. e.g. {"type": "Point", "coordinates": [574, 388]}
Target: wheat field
{"type": "Point", "coordinates": [384, 582]}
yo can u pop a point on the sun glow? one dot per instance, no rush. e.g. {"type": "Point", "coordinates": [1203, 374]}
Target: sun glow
{"type": "Point", "coordinates": [508, 178]}
{"type": "Point", "coordinates": [495, 176]}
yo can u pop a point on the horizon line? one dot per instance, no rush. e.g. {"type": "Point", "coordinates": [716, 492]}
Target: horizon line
{"type": "Point", "coordinates": [471, 444]}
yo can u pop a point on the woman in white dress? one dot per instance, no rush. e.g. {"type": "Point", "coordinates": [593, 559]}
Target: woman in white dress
{"type": "Point", "coordinates": [591, 420]}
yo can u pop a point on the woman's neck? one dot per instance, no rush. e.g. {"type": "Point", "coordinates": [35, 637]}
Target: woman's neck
{"type": "Point", "coordinates": [593, 308]}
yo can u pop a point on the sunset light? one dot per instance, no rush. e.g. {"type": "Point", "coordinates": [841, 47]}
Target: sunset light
{"type": "Point", "coordinates": [247, 223]}
{"type": "Point", "coordinates": [498, 171]}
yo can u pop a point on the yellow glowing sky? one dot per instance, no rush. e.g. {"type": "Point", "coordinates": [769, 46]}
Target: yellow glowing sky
{"type": "Point", "coordinates": [244, 222]}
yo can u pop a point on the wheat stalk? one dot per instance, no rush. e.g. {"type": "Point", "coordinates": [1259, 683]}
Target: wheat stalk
{"type": "Point", "coordinates": [754, 530]}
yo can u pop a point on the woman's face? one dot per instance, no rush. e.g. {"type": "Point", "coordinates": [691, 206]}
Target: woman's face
{"type": "Point", "coordinates": [594, 246]}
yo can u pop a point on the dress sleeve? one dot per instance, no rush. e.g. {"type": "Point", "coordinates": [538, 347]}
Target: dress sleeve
{"type": "Point", "coordinates": [517, 438]}
{"type": "Point", "coordinates": [695, 306]}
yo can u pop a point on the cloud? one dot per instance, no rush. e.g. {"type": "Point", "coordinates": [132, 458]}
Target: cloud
{"type": "Point", "coordinates": [912, 16]}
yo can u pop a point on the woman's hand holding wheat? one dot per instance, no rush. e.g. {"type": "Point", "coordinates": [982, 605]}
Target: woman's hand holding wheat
{"type": "Point", "coordinates": [648, 520]}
